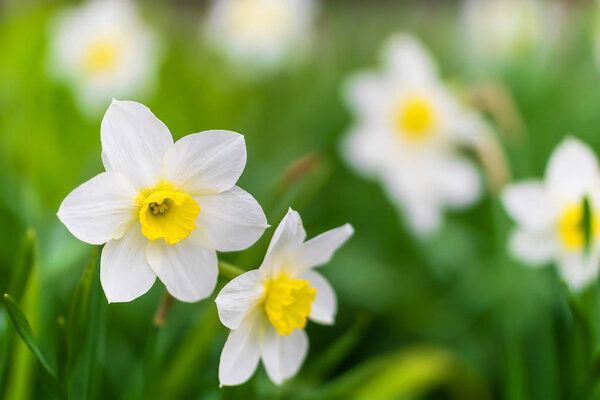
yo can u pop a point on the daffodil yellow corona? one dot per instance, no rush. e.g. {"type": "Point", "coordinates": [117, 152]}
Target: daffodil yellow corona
{"type": "Point", "coordinates": [559, 218]}
{"type": "Point", "coordinates": [267, 309]}
{"type": "Point", "coordinates": [162, 208]}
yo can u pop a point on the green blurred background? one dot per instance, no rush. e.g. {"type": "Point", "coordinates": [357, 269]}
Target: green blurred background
{"type": "Point", "coordinates": [451, 316]}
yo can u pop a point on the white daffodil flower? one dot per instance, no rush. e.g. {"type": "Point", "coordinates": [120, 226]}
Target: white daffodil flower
{"type": "Point", "coordinates": [162, 208]}
{"type": "Point", "coordinates": [259, 31]}
{"type": "Point", "coordinates": [407, 132]}
{"type": "Point", "coordinates": [497, 30]}
{"type": "Point", "coordinates": [267, 309]}
{"type": "Point", "coordinates": [559, 218]}
{"type": "Point", "coordinates": [502, 27]}
{"type": "Point", "coordinates": [103, 50]}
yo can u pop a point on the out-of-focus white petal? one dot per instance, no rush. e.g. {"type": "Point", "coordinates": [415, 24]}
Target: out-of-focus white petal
{"type": "Point", "coordinates": [367, 93]}
{"type": "Point", "coordinates": [134, 142]}
{"type": "Point", "coordinates": [425, 218]}
{"type": "Point", "coordinates": [324, 306]}
{"type": "Point", "coordinates": [572, 171]}
{"type": "Point", "coordinates": [188, 269]}
{"type": "Point", "coordinates": [578, 269]}
{"type": "Point", "coordinates": [534, 248]}
{"type": "Point", "coordinates": [240, 354]}
{"type": "Point", "coordinates": [124, 272]}
{"type": "Point", "coordinates": [205, 163]}
{"type": "Point", "coordinates": [364, 150]}
{"type": "Point", "coordinates": [283, 355]}
{"type": "Point", "coordinates": [233, 220]}
{"type": "Point", "coordinates": [238, 297]}
{"type": "Point", "coordinates": [459, 182]}
{"type": "Point", "coordinates": [406, 58]}
{"type": "Point", "coordinates": [319, 250]}
{"type": "Point", "coordinates": [529, 204]}
{"type": "Point", "coordinates": [100, 209]}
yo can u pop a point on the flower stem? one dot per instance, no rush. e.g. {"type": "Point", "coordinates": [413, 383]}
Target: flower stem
{"type": "Point", "coordinates": [229, 271]}
{"type": "Point", "coordinates": [163, 309]}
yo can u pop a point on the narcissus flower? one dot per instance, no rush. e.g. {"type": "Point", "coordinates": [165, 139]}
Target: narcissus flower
{"type": "Point", "coordinates": [162, 208]}
{"type": "Point", "coordinates": [259, 31]}
{"type": "Point", "coordinates": [267, 309]}
{"type": "Point", "coordinates": [559, 218]}
{"type": "Point", "coordinates": [408, 130]}
{"type": "Point", "coordinates": [103, 50]}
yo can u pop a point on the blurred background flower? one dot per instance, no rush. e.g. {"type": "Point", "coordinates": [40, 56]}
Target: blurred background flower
{"type": "Point", "coordinates": [408, 134]}
{"type": "Point", "coordinates": [259, 34]}
{"type": "Point", "coordinates": [450, 315]}
{"type": "Point", "coordinates": [103, 50]}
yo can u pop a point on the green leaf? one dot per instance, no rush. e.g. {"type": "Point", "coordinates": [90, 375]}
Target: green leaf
{"type": "Point", "coordinates": [180, 371]}
{"type": "Point", "coordinates": [77, 322]}
{"type": "Point", "coordinates": [24, 263]}
{"type": "Point", "coordinates": [24, 330]}
{"type": "Point", "coordinates": [339, 350]}
{"type": "Point", "coordinates": [85, 380]}
{"type": "Point", "coordinates": [25, 260]}
{"type": "Point", "coordinates": [407, 374]}
{"type": "Point", "coordinates": [587, 222]}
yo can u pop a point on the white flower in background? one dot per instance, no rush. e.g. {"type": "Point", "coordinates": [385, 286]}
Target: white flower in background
{"type": "Point", "coordinates": [162, 208]}
{"type": "Point", "coordinates": [559, 218]}
{"type": "Point", "coordinates": [502, 29]}
{"type": "Point", "coordinates": [407, 133]}
{"type": "Point", "coordinates": [267, 309]}
{"type": "Point", "coordinates": [103, 50]}
{"type": "Point", "coordinates": [259, 31]}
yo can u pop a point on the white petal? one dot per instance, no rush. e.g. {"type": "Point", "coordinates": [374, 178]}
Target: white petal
{"type": "Point", "coordinates": [406, 58]}
{"type": "Point", "coordinates": [578, 269]}
{"type": "Point", "coordinates": [240, 355]}
{"type": "Point", "coordinates": [319, 250]}
{"type": "Point", "coordinates": [286, 240]}
{"type": "Point", "coordinates": [187, 268]}
{"type": "Point", "coordinates": [207, 162]}
{"type": "Point", "coordinates": [289, 234]}
{"type": "Point", "coordinates": [324, 306]}
{"type": "Point", "coordinates": [124, 272]}
{"type": "Point", "coordinates": [572, 171]}
{"type": "Point", "coordinates": [134, 142]}
{"type": "Point", "coordinates": [100, 209]}
{"type": "Point", "coordinates": [459, 182]}
{"type": "Point", "coordinates": [283, 355]}
{"type": "Point", "coordinates": [238, 297]}
{"type": "Point", "coordinates": [535, 248]}
{"type": "Point", "coordinates": [233, 220]}
{"type": "Point", "coordinates": [529, 204]}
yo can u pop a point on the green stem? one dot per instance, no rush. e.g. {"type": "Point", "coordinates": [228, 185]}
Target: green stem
{"type": "Point", "coordinates": [229, 271]}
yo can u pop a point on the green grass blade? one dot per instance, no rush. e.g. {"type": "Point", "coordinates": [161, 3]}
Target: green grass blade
{"type": "Point", "coordinates": [25, 260]}
{"type": "Point", "coordinates": [24, 330]}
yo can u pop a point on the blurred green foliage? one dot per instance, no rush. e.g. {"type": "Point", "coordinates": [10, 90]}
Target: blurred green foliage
{"type": "Point", "coordinates": [451, 316]}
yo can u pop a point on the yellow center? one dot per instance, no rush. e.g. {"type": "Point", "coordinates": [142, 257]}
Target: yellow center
{"type": "Point", "coordinates": [288, 303]}
{"type": "Point", "coordinates": [101, 56]}
{"type": "Point", "coordinates": [571, 227]}
{"type": "Point", "coordinates": [414, 118]}
{"type": "Point", "coordinates": [168, 215]}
